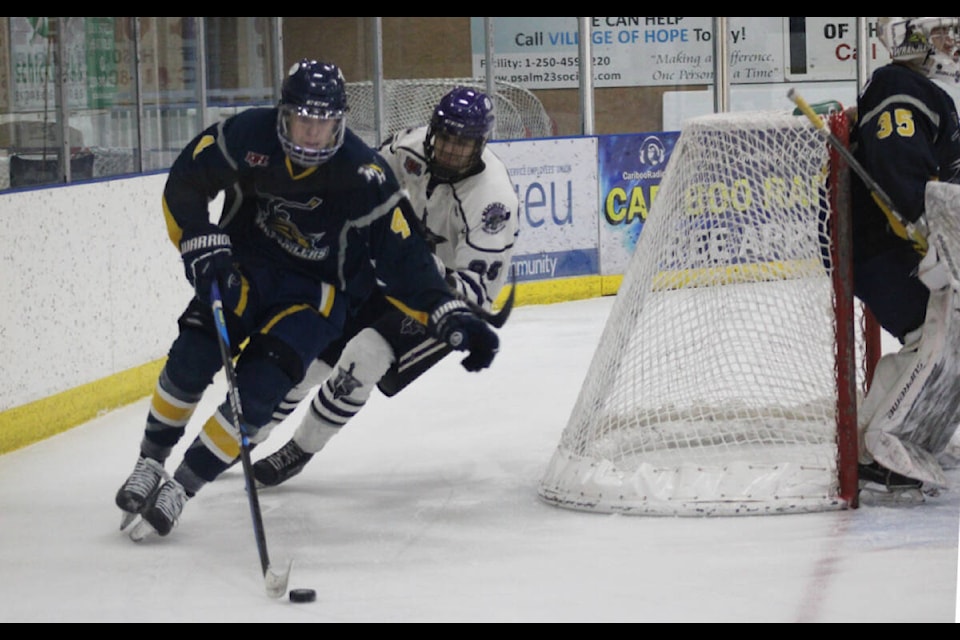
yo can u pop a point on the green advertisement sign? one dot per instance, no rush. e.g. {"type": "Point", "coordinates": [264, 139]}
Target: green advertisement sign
{"type": "Point", "coordinates": [101, 61]}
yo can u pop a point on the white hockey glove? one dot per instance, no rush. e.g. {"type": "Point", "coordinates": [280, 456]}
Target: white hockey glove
{"type": "Point", "coordinates": [932, 271]}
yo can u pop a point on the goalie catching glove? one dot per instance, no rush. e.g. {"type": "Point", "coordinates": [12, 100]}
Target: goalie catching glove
{"type": "Point", "coordinates": [454, 323]}
{"type": "Point", "coordinates": [207, 257]}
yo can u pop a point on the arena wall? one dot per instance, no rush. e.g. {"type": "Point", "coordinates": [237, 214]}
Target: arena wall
{"type": "Point", "coordinates": [92, 286]}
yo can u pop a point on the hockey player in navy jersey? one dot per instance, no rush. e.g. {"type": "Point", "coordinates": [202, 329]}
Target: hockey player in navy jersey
{"type": "Point", "coordinates": [907, 136]}
{"type": "Point", "coordinates": [313, 224]}
{"type": "Point", "coordinates": [467, 206]}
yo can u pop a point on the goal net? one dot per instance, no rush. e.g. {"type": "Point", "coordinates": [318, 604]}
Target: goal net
{"type": "Point", "coordinates": [726, 378]}
{"type": "Point", "coordinates": [410, 103]}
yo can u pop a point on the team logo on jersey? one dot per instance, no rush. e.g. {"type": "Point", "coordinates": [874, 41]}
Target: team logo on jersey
{"type": "Point", "coordinates": [410, 327]}
{"type": "Point", "coordinates": [414, 166]}
{"type": "Point", "coordinates": [373, 172]}
{"type": "Point", "coordinates": [344, 384]}
{"type": "Point", "coordinates": [495, 217]}
{"type": "Point", "coordinates": [275, 218]}
{"type": "Point", "coordinates": [205, 142]}
{"type": "Point", "coordinates": [255, 159]}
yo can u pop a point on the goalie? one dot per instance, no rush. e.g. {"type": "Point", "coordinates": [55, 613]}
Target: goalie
{"type": "Point", "coordinates": [907, 139]}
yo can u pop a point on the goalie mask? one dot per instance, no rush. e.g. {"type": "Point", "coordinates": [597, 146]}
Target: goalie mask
{"type": "Point", "coordinates": [312, 112]}
{"type": "Point", "coordinates": [458, 132]}
{"type": "Point", "coordinates": [928, 44]}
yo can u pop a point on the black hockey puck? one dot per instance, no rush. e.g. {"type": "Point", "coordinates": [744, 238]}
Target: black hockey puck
{"type": "Point", "coordinates": [302, 595]}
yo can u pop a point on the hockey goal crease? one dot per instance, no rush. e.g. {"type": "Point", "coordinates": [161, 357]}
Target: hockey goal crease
{"type": "Point", "coordinates": [727, 377]}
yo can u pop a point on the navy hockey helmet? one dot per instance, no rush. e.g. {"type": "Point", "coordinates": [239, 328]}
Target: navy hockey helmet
{"type": "Point", "coordinates": [458, 131]}
{"type": "Point", "coordinates": [312, 115]}
{"type": "Point", "coordinates": [931, 45]}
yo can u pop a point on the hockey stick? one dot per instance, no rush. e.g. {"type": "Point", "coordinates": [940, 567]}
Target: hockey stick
{"type": "Point", "coordinates": [275, 583]}
{"type": "Point", "coordinates": [393, 382]}
{"type": "Point", "coordinates": [903, 227]}
{"type": "Point", "coordinates": [498, 319]}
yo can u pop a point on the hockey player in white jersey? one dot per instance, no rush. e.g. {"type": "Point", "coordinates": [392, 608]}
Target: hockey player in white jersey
{"type": "Point", "coordinates": [467, 208]}
{"type": "Point", "coordinates": [908, 139]}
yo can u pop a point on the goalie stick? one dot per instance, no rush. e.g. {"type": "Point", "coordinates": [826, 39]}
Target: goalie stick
{"type": "Point", "coordinates": [903, 227]}
{"type": "Point", "coordinates": [274, 582]}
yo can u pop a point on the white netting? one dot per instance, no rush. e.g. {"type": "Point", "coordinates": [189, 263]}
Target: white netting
{"type": "Point", "coordinates": [410, 103]}
{"type": "Point", "coordinates": [713, 389]}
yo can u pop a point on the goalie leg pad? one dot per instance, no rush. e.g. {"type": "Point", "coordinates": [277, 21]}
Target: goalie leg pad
{"type": "Point", "coordinates": [942, 203]}
{"type": "Point", "coordinates": [918, 415]}
{"type": "Point", "coordinates": [915, 417]}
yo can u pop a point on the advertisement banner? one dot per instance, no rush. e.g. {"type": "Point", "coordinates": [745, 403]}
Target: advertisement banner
{"type": "Point", "coordinates": [822, 49]}
{"type": "Point", "coordinates": [631, 167]}
{"type": "Point", "coordinates": [101, 61]}
{"type": "Point", "coordinates": [556, 182]}
{"type": "Point", "coordinates": [32, 54]}
{"type": "Point", "coordinates": [543, 53]}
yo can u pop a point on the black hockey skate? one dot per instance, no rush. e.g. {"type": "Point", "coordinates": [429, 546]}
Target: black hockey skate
{"type": "Point", "coordinates": [880, 485]}
{"type": "Point", "coordinates": [892, 480]}
{"type": "Point", "coordinates": [281, 465]}
{"type": "Point", "coordinates": [162, 512]}
{"type": "Point", "coordinates": [138, 488]}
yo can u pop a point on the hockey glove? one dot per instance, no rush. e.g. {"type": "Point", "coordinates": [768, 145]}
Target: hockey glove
{"type": "Point", "coordinates": [207, 257]}
{"type": "Point", "coordinates": [455, 324]}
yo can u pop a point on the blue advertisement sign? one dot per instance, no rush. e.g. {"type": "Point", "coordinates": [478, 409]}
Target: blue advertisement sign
{"type": "Point", "coordinates": [630, 168]}
{"type": "Point", "coordinates": [556, 184]}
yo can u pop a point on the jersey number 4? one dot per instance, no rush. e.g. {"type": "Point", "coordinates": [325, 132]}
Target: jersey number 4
{"type": "Point", "coordinates": [398, 224]}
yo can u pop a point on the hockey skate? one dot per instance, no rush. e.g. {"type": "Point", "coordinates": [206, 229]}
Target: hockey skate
{"type": "Point", "coordinates": [138, 489]}
{"type": "Point", "coordinates": [281, 465]}
{"type": "Point", "coordinates": [162, 513]}
{"type": "Point", "coordinates": [879, 485]}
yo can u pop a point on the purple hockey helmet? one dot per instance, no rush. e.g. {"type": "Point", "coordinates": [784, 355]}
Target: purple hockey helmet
{"type": "Point", "coordinates": [458, 132]}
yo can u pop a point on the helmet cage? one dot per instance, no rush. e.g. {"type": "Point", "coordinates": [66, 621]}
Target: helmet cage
{"type": "Point", "coordinates": [303, 155]}
{"type": "Point", "coordinates": [312, 90]}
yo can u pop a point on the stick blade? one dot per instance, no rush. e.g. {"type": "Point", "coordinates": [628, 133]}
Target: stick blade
{"type": "Point", "coordinates": [276, 582]}
{"type": "Point", "coordinates": [504, 313]}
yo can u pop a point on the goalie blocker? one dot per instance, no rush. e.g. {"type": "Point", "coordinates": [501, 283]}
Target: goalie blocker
{"type": "Point", "coordinates": [913, 407]}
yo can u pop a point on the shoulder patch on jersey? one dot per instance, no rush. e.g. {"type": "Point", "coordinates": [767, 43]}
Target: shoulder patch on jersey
{"type": "Point", "coordinates": [205, 142]}
{"type": "Point", "coordinates": [414, 166]}
{"type": "Point", "coordinates": [495, 217]}
{"type": "Point", "coordinates": [372, 172]}
{"type": "Point", "coordinates": [255, 159]}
